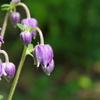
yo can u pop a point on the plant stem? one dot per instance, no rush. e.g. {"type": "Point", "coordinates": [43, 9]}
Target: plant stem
{"type": "Point", "coordinates": [40, 34]}
{"type": "Point", "coordinates": [4, 26]}
{"type": "Point", "coordinates": [5, 54]}
{"type": "Point", "coordinates": [14, 84]}
{"type": "Point", "coordinates": [17, 74]}
{"type": "Point", "coordinates": [26, 9]}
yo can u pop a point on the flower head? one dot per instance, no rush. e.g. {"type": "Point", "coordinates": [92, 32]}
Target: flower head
{"type": "Point", "coordinates": [8, 70]}
{"type": "Point", "coordinates": [30, 22]}
{"type": "Point", "coordinates": [15, 17]}
{"type": "Point", "coordinates": [43, 55]}
{"type": "Point", "coordinates": [49, 68]}
{"type": "Point", "coordinates": [26, 38]}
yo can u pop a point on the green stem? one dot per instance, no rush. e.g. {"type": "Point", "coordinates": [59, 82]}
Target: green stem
{"type": "Point", "coordinates": [17, 74]}
{"type": "Point", "coordinates": [5, 54]}
{"type": "Point", "coordinates": [26, 9]}
{"type": "Point", "coordinates": [4, 26]}
{"type": "Point", "coordinates": [40, 34]}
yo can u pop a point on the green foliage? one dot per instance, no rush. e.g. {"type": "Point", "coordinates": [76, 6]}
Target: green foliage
{"type": "Point", "coordinates": [84, 82]}
{"type": "Point", "coordinates": [5, 5]}
{"type": "Point", "coordinates": [20, 26]}
{"type": "Point", "coordinates": [72, 28]}
{"type": "Point", "coordinates": [1, 97]}
{"type": "Point", "coordinates": [29, 49]}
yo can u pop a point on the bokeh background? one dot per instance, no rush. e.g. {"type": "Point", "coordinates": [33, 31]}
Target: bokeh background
{"type": "Point", "coordinates": [72, 28]}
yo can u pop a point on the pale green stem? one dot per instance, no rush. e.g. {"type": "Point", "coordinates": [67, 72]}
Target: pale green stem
{"type": "Point", "coordinates": [26, 9]}
{"type": "Point", "coordinates": [17, 74]}
{"type": "Point", "coordinates": [40, 34]}
{"type": "Point", "coordinates": [5, 54]}
{"type": "Point", "coordinates": [4, 26]}
{"type": "Point", "coordinates": [14, 84]}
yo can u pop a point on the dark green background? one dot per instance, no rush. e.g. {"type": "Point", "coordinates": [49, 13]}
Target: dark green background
{"type": "Point", "coordinates": [72, 28]}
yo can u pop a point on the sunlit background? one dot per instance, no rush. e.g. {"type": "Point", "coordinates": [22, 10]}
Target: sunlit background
{"type": "Point", "coordinates": [72, 28]}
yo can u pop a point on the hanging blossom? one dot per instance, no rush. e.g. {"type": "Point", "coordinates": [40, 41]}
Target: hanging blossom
{"type": "Point", "coordinates": [43, 56]}
{"type": "Point", "coordinates": [15, 17]}
{"type": "Point", "coordinates": [30, 22]}
{"type": "Point", "coordinates": [7, 70]}
{"type": "Point", "coordinates": [26, 38]}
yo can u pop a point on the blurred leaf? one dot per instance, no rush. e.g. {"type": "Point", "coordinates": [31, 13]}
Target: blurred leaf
{"type": "Point", "coordinates": [5, 5]}
{"type": "Point", "coordinates": [1, 97]}
{"type": "Point", "coordinates": [5, 9]}
{"type": "Point", "coordinates": [30, 47]}
{"type": "Point", "coordinates": [28, 28]}
{"type": "Point", "coordinates": [29, 50]}
{"type": "Point", "coordinates": [20, 26]}
{"type": "Point", "coordinates": [84, 82]}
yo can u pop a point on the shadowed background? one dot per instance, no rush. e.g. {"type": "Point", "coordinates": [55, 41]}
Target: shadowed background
{"type": "Point", "coordinates": [72, 28]}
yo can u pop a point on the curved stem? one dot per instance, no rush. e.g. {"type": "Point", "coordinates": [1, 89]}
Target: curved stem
{"type": "Point", "coordinates": [17, 74]}
{"type": "Point", "coordinates": [4, 26]}
{"type": "Point", "coordinates": [26, 9]}
{"type": "Point", "coordinates": [40, 34]}
{"type": "Point", "coordinates": [5, 54]}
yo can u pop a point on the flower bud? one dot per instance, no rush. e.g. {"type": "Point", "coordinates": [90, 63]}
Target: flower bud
{"type": "Point", "coordinates": [9, 69]}
{"type": "Point", "coordinates": [49, 68]}
{"type": "Point", "coordinates": [26, 38]}
{"type": "Point", "coordinates": [43, 55]}
{"type": "Point", "coordinates": [30, 22]}
{"type": "Point", "coordinates": [15, 17]}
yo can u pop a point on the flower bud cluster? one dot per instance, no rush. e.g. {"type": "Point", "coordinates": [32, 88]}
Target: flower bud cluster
{"type": "Point", "coordinates": [30, 22]}
{"type": "Point", "coordinates": [42, 54]}
{"type": "Point", "coordinates": [26, 36]}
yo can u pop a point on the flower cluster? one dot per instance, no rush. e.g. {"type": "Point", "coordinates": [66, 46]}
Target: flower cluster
{"type": "Point", "coordinates": [42, 54]}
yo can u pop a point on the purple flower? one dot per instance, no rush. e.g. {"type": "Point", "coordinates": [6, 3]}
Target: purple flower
{"type": "Point", "coordinates": [8, 70]}
{"type": "Point", "coordinates": [1, 72]}
{"type": "Point", "coordinates": [49, 68]}
{"type": "Point", "coordinates": [1, 40]}
{"type": "Point", "coordinates": [16, 1]}
{"type": "Point", "coordinates": [26, 38]}
{"type": "Point", "coordinates": [15, 17]}
{"type": "Point", "coordinates": [43, 55]}
{"type": "Point", "coordinates": [30, 22]}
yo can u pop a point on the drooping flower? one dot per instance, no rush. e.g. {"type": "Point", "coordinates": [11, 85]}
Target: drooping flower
{"type": "Point", "coordinates": [49, 68]}
{"type": "Point", "coordinates": [26, 38]}
{"type": "Point", "coordinates": [15, 17]}
{"type": "Point", "coordinates": [30, 22]}
{"type": "Point", "coordinates": [8, 70]}
{"type": "Point", "coordinates": [43, 55]}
